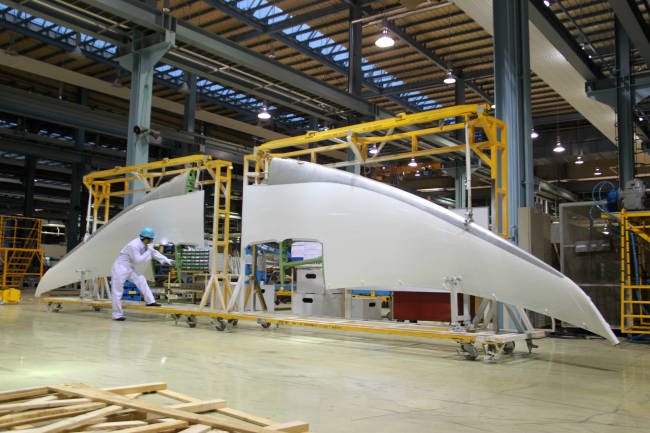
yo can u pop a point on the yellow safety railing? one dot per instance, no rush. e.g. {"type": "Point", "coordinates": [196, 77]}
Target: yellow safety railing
{"type": "Point", "coordinates": [20, 249]}
{"type": "Point", "coordinates": [635, 257]}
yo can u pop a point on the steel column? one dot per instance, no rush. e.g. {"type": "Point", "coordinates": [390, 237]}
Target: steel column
{"type": "Point", "coordinates": [512, 96]}
{"type": "Point", "coordinates": [74, 211]}
{"type": "Point", "coordinates": [355, 46]}
{"type": "Point", "coordinates": [140, 62]}
{"type": "Point", "coordinates": [30, 173]}
{"type": "Point", "coordinates": [625, 115]}
{"type": "Point", "coordinates": [459, 99]}
{"type": "Point", "coordinates": [189, 115]}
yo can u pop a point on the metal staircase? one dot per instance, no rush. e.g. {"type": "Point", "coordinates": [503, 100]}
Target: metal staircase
{"type": "Point", "coordinates": [20, 250]}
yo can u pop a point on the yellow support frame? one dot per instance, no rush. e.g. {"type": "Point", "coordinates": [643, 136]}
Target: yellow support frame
{"type": "Point", "coordinates": [492, 152]}
{"type": "Point", "coordinates": [103, 185]}
{"type": "Point", "coordinates": [635, 314]}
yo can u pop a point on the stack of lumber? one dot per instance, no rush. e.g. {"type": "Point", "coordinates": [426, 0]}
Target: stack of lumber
{"type": "Point", "coordinates": [82, 408]}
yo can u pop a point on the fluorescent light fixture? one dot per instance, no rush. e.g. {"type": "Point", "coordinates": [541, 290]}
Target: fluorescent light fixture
{"type": "Point", "coordinates": [373, 150]}
{"type": "Point", "coordinates": [413, 163]}
{"type": "Point", "coordinates": [417, 173]}
{"type": "Point", "coordinates": [579, 160]}
{"type": "Point", "coordinates": [598, 172]}
{"type": "Point", "coordinates": [547, 3]}
{"type": "Point", "coordinates": [534, 134]}
{"type": "Point", "coordinates": [449, 79]}
{"type": "Point", "coordinates": [606, 231]}
{"type": "Point", "coordinates": [264, 114]}
{"type": "Point", "coordinates": [493, 106]}
{"type": "Point", "coordinates": [641, 119]}
{"type": "Point", "coordinates": [431, 189]}
{"type": "Point", "coordinates": [385, 41]}
{"type": "Point", "coordinates": [558, 147]}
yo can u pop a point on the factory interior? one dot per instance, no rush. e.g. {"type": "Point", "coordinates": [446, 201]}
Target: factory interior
{"type": "Point", "coordinates": [324, 216]}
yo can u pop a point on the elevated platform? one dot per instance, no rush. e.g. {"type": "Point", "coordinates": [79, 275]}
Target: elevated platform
{"type": "Point", "coordinates": [494, 344]}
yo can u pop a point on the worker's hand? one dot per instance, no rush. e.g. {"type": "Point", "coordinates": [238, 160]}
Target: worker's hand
{"type": "Point", "coordinates": [170, 262]}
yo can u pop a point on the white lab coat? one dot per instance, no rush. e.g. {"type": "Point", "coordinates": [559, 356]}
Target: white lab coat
{"type": "Point", "coordinates": [133, 253]}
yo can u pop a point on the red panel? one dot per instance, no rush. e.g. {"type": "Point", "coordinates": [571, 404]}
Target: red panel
{"type": "Point", "coordinates": [425, 306]}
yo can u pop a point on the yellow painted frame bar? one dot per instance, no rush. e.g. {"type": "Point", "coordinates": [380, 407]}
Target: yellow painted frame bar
{"type": "Point", "coordinates": [474, 117]}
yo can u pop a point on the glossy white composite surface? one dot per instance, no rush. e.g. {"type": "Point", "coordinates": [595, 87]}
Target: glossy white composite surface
{"type": "Point", "coordinates": [375, 235]}
{"type": "Point", "coordinates": [177, 219]}
{"type": "Point", "coordinates": [338, 382]}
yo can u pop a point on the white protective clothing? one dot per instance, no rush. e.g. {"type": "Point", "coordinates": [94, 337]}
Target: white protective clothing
{"type": "Point", "coordinates": [133, 253]}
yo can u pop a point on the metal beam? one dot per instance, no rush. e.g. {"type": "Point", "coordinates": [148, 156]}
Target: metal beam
{"type": "Point", "coordinates": [512, 91]}
{"type": "Point", "coordinates": [625, 115]}
{"type": "Point", "coordinates": [215, 45]}
{"type": "Point", "coordinates": [546, 21]}
{"type": "Point", "coordinates": [355, 74]}
{"type": "Point", "coordinates": [28, 182]}
{"type": "Point", "coordinates": [635, 26]}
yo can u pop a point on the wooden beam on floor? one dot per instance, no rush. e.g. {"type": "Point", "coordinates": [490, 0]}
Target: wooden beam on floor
{"type": "Point", "coordinates": [33, 416]}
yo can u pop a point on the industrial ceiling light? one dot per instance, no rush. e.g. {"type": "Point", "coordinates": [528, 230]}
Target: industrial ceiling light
{"type": "Point", "coordinates": [77, 53]}
{"type": "Point", "coordinates": [558, 147]}
{"type": "Point", "coordinates": [373, 150]}
{"type": "Point", "coordinates": [184, 88]}
{"type": "Point", "coordinates": [264, 114]}
{"type": "Point", "coordinates": [10, 49]}
{"type": "Point", "coordinates": [598, 172]}
{"type": "Point", "coordinates": [385, 40]}
{"type": "Point", "coordinates": [579, 160]}
{"type": "Point", "coordinates": [417, 173]}
{"type": "Point", "coordinates": [534, 134]}
{"type": "Point", "coordinates": [547, 3]}
{"type": "Point", "coordinates": [413, 163]}
{"type": "Point", "coordinates": [449, 79]}
{"type": "Point", "coordinates": [493, 106]}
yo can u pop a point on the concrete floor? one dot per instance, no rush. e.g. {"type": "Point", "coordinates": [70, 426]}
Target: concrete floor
{"type": "Point", "coordinates": [338, 382]}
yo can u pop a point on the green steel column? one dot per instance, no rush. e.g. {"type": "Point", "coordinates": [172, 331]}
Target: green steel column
{"type": "Point", "coordinates": [189, 118]}
{"type": "Point", "coordinates": [512, 98]}
{"type": "Point", "coordinates": [625, 115]}
{"type": "Point", "coordinates": [140, 62]}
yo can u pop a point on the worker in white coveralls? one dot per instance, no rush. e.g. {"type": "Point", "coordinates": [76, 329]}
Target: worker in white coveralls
{"type": "Point", "coordinates": [137, 251]}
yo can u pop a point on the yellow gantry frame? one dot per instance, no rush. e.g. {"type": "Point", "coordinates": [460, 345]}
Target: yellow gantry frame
{"type": "Point", "coordinates": [635, 317]}
{"type": "Point", "coordinates": [493, 151]}
{"type": "Point", "coordinates": [102, 186]}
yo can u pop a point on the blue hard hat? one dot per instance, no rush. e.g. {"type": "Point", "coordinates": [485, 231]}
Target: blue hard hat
{"type": "Point", "coordinates": [147, 232]}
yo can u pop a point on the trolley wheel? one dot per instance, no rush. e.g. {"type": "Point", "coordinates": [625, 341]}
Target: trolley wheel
{"type": "Point", "coordinates": [220, 325]}
{"type": "Point", "coordinates": [266, 325]}
{"type": "Point", "coordinates": [509, 347]}
{"type": "Point", "coordinates": [191, 321]}
{"type": "Point", "coordinates": [55, 308]}
{"type": "Point", "coordinates": [176, 318]}
{"type": "Point", "coordinates": [469, 351]}
{"type": "Point", "coordinates": [235, 322]}
{"type": "Point", "coordinates": [97, 308]}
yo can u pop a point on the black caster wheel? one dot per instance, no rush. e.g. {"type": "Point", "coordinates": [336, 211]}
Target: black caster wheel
{"type": "Point", "coordinates": [191, 321]}
{"type": "Point", "coordinates": [220, 324]}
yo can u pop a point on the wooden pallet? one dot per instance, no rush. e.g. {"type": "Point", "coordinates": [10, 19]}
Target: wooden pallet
{"type": "Point", "coordinates": [81, 408]}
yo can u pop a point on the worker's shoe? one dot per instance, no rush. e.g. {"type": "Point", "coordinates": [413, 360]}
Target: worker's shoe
{"type": "Point", "coordinates": [154, 304]}
{"type": "Point", "coordinates": [120, 319]}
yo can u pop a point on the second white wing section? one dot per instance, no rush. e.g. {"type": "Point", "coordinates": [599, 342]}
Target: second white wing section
{"type": "Point", "coordinates": [371, 239]}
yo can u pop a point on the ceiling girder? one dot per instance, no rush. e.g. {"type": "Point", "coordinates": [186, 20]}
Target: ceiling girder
{"type": "Point", "coordinates": [635, 26]}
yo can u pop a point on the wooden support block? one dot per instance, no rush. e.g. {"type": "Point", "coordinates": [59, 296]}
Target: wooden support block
{"type": "Point", "coordinates": [165, 426]}
{"type": "Point", "coordinates": [289, 427]}
{"type": "Point", "coordinates": [142, 388]}
{"type": "Point", "coordinates": [197, 428]}
{"type": "Point", "coordinates": [78, 421]}
{"type": "Point", "coordinates": [7, 421]}
{"type": "Point", "coordinates": [17, 407]}
{"type": "Point", "coordinates": [253, 419]}
{"type": "Point", "coordinates": [23, 393]}
{"type": "Point", "coordinates": [115, 425]}
{"type": "Point", "coordinates": [177, 396]}
{"type": "Point", "coordinates": [82, 390]}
